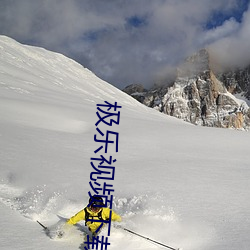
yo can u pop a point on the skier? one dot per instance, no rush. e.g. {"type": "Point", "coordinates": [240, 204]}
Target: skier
{"type": "Point", "coordinates": [94, 211]}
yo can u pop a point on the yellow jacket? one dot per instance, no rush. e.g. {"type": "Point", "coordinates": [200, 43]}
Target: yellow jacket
{"type": "Point", "coordinates": [93, 226]}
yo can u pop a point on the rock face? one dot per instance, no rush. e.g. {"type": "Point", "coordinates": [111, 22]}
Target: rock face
{"type": "Point", "coordinates": [137, 91]}
{"type": "Point", "coordinates": [201, 97]}
{"type": "Point", "coordinates": [237, 81]}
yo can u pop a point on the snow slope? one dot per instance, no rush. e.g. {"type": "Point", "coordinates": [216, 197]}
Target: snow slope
{"type": "Point", "coordinates": [176, 183]}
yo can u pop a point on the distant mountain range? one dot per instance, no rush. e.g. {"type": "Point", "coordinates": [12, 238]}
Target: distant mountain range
{"type": "Point", "coordinates": [201, 94]}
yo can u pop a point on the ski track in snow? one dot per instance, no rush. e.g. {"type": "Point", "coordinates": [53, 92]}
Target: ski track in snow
{"type": "Point", "coordinates": [144, 214]}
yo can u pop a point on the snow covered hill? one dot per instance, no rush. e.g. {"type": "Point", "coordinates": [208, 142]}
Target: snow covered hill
{"type": "Point", "coordinates": [182, 185]}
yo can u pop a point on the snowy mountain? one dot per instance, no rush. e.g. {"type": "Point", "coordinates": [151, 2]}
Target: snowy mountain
{"type": "Point", "coordinates": [201, 96]}
{"type": "Point", "coordinates": [237, 81]}
{"type": "Point", "coordinates": [182, 185]}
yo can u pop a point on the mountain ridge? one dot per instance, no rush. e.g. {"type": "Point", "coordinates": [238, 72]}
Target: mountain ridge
{"type": "Point", "coordinates": [200, 95]}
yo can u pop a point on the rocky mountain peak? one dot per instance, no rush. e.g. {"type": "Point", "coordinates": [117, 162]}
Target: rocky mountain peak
{"type": "Point", "coordinates": [196, 64]}
{"type": "Point", "coordinates": [200, 96]}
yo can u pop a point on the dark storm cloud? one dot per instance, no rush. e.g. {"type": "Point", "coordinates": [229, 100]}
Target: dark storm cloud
{"type": "Point", "coordinates": [127, 41]}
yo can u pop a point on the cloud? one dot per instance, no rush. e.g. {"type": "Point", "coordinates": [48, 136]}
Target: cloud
{"type": "Point", "coordinates": [121, 41]}
{"type": "Point", "coordinates": [228, 28]}
{"type": "Point", "coordinates": [232, 50]}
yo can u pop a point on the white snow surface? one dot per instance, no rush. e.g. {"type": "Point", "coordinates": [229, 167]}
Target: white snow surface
{"type": "Point", "coordinates": [182, 185]}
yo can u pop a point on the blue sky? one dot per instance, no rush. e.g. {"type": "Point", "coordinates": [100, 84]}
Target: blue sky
{"type": "Point", "coordinates": [218, 17]}
{"type": "Point", "coordinates": [131, 41]}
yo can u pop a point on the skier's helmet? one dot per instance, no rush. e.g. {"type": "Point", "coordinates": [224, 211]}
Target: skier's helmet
{"type": "Point", "coordinates": [96, 200]}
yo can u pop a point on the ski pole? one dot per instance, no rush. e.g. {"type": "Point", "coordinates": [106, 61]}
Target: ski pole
{"type": "Point", "coordinates": [150, 239]}
{"type": "Point", "coordinates": [45, 228]}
